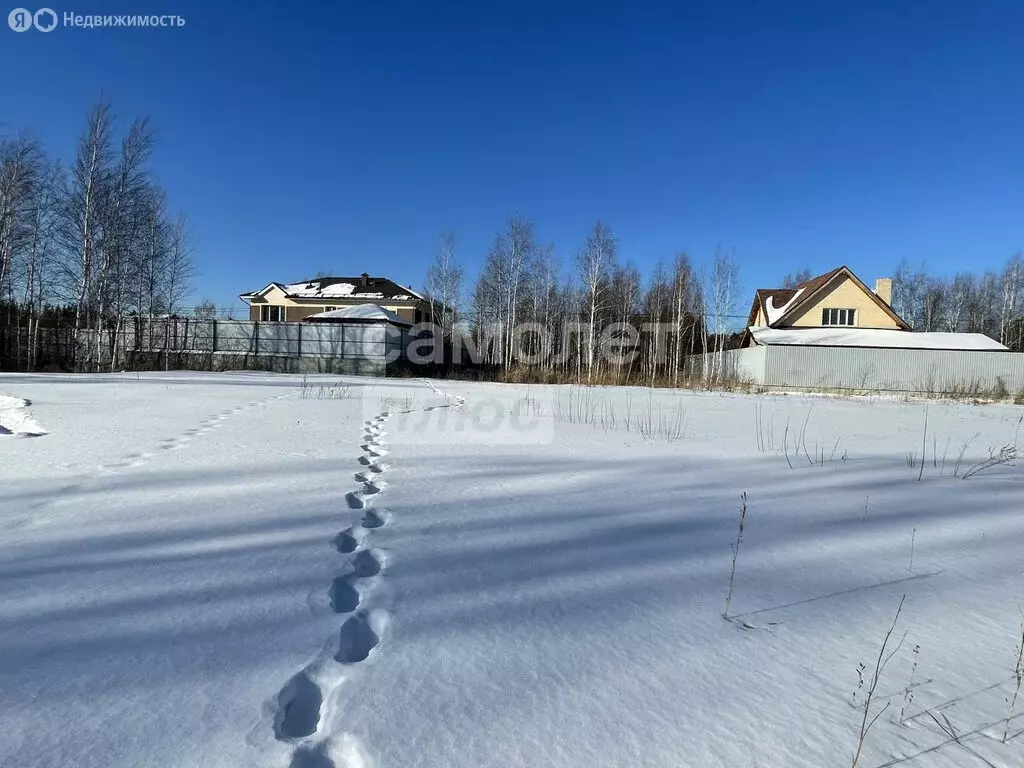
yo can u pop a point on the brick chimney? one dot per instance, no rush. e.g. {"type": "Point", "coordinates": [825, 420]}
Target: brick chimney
{"type": "Point", "coordinates": [883, 289]}
{"type": "Point", "coordinates": [364, 279]}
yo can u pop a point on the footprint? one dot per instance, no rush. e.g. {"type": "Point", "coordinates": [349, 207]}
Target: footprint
{"type": "Point", "coordinates": [359, 499]}
{"type": "Point", "coordinates": [311, 757]}
{"type": "Point", "coordinates": [367, 563]}
{"type": "Point", "coordinates": [360, 634]}
{"type": "Point", "coordinates": [344, 597]}
{"type": "Point", "coordinates": [373, 518]}
{"type": "Point", "coordinates": [298, 713]}
{"type": "Point", "coordinates": [349, 540]}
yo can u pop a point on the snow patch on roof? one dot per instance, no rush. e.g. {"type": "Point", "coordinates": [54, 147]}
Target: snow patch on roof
{"type": "Point", "coordinates": [873, 337]}
{"type": "Point", "coordinates": [775, 313]}
{"type": "Point", "coordinates": [360, 312]}
{"type": "Point", "coordinates": [413, 294]}
{"type": "Point", "coordinates": [314, 291]}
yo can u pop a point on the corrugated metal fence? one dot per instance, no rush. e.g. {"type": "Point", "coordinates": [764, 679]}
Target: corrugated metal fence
{"type": "Point", "coordinates": [276, 346]}
{"type": "Point", "coordinates": [876, 370]}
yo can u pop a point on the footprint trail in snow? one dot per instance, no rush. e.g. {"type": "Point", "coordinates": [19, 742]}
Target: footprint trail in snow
{"type": "Point", "coordinates": [299, 718]}
{"type": "Point", "coordinates": [300, 704]}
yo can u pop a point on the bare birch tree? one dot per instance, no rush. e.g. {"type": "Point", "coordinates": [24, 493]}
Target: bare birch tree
{"type": "Point", "coordinates": [444, 284]}
{"type": "Point", "coordinates": [595, 263]}
{"type": "Point", "coordinates": [1013, 276]}
{"type": "Point", "coordinates": [723, 290]}
{"type": "Point", "coordinates": [179, 268]}
{"type": "Point", "coordinates": [83, 207]}
{"type": "Point", "coordinates": [21, 170]}
{"type": "Point", "coordinates": [497, 293]}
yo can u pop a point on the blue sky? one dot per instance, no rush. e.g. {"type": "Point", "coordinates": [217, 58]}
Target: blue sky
{"type": "Point", "coordinates": [344, 136]}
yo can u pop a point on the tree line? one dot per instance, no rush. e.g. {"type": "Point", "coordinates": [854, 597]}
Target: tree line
{"type": "Point", "coordinates": [93, 239]}
{"type": "Point", "coordinates": [527, 312]}
{"type": "Point", "coordinates": [86, 242]}
{"type": "Point", "coordinates": [685, 310]}
{"type": "Point", "coordinates": [991, 303]}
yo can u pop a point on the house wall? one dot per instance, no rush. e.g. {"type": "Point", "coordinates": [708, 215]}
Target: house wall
{"type": "Point", "coordinates": [843, 293]}
{"type": "Point", "coordinates": [293, 312]}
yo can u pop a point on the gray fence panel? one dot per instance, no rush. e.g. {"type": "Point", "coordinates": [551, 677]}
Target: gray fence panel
{"type": "Point", "coordinates": [894, 370]}
{"type": "Point", "coordinates": [320, 342]}
{"type": "Point", "coordinates": [746, 365]}
{"type": "Point", "coordinates": [236, 336]}
{"type": "Point", "coordinates": [364, 333]}
{"type": "Point", "coordinates": [278, 339]}
{"type": "Point", "coordinates": [365, 349]}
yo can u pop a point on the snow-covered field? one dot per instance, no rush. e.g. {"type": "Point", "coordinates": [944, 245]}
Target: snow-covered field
{"type": "Point", "coordinates": [252, 570]}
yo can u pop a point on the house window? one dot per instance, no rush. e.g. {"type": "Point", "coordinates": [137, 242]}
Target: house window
{"type": "Point", "coordinates": [838, 317]}
{"type": "Point", "coordinates": [270, 314]}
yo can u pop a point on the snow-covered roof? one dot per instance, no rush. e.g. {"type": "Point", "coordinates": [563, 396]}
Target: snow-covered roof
{"type": "Point", "coordinates": [343, 288]}
{"type": "Point", "coordinates": [778, 304]}
{"type": "Point", "coordinates": [315, 290]}
{"type": "Point", "coordinates": [773, 312]}
{"type": "Point", "coordinates": [363, 313]}
{"type": "Point", "coordinates": [261, 291]}
{"type": "Point", "coordinates": [873, 337]}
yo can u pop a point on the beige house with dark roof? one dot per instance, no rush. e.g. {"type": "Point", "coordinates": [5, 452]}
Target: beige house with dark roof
{"type": "Point", "coordinates": [280, 302]}
{"type": "Point", "coordinates": [833, 333]}
{"type": "Point", "coordinates": [835, 299]}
